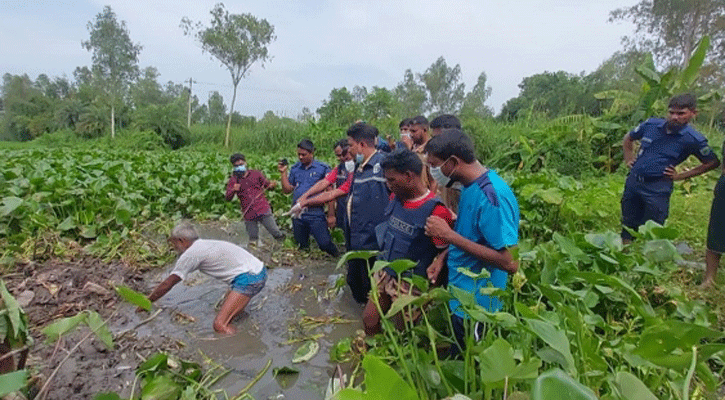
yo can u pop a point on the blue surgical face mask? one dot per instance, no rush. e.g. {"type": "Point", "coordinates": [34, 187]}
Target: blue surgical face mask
{"type": "Point", "coordinates": [240, 170]}
{"type": "Point", "coordinates": [349, 166]}
{"type": "Point", "coordinates": [359, 158]}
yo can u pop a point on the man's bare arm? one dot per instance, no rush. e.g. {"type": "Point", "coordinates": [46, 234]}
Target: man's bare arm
{"type": "Point", "coordinates": [164, 287]}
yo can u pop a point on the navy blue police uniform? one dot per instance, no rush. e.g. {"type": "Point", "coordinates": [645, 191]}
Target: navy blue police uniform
{"type": "Point", "coordinates": [313, 220]}
{"type": "Point", "coordinates": [368, 198]}
{"type": "Point", "coordinates": [340, 209]}
{"type": "Point", "coordinates": [647, 190]}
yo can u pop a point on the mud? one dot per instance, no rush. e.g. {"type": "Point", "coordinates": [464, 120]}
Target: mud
{"type": "Point", "coordinates": [305, 299]}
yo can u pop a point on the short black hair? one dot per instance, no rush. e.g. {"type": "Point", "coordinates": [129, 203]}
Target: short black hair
{"type": "Point", "coordinates": [237, 157]}
{"type": "Point", "coordinates": [405, 122]}
{"type": "Point", "coordinates": [445, 121]}
{"type": "Point", "coordinates": [685, 100]}
{"type": "Point", "coordinates": [306, 144]}
{"type": "Point", "coordinates": [403, 160]}
{"type": "Point", "coordinates": [362, 132]}
{"type": "Point", "coordinates": [452, 142]}
{"type": "Point", "coordinates": [342, 143]}
{"type": "Point", "coordinates": [419, 120]}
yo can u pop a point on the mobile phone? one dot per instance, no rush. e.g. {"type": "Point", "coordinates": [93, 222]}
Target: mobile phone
{"type": "Point", "coordinates": [283, 161]}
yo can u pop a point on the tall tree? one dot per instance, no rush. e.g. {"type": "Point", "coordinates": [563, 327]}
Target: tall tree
{"type": "Point", "coordinates": [217, 108]}
{"type": "Point", "coordinates": [445, 91]}
{"type": "Point", "coordinates": [115, 57]}
{"type": "Point", "coordinates": [341, 108]}
{"type": "Point", "coordinates": [670, 29]}
{"type": "Point", "coordinates": [475, 102]}
{"type": "Point", "coordinates": [411, 95]}
{"type": "Point", "coordinates": [236, 40]}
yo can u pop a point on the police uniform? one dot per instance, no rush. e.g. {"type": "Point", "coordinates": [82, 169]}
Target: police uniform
{"type": "Point", "coordinates": [313, 220]}
{"type": "Point", "coordinates": [647, 190]}
{"type": "Point", "coordinates": [367, 200]}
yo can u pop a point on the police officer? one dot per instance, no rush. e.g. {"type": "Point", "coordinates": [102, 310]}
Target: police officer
{"type": "Point", "coordinates": [664, 144]}
{"type": "Point", "coordinates": [302, 176]}
{"type": "Point", "coordinates": [368, 195]}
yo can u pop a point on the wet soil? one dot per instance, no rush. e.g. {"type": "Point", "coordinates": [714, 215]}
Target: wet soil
{"type": "Point", "coordinates": [305, 298]}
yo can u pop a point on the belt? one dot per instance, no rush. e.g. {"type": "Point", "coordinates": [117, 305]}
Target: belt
{"type": "Point", "coordinates": [645, 178]}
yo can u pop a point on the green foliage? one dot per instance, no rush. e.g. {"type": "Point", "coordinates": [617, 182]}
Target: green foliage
{"type": "Point", "coordinates": [133, 297]}
{"type": "Point", "coordinates": [89, 318]}
{"type": "Point", "coordinates": [168, 121]}
{"type": "Point", "coordinates": [13, 381]}
{"type": "Point", "coordinates": [13, 321]}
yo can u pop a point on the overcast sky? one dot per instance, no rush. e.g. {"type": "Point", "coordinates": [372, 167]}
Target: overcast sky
{"type": "Point", "coordinates": [323, 45]}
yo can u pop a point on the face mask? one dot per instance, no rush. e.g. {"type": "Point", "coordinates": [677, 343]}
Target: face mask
{"type": "Point", "coordinates": [239, 170]}
{"type": "Point", "coordinates": [349, 166]}
{"type": "Point", "coordinates": [457, 186]}
{"type": "Point", "coordinates": [440, 177]}
{"type": "Point", "coordinates": [359, 158]}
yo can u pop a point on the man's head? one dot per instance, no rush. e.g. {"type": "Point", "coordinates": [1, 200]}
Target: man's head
{"type": "Point", "coordinates": [404, 126]}
{"type": "Point", "coordinates": [445, 121]}
{"type": "Point", "coordinates": [361, 138]}
{"type": "Point", "coordinates": [305, 151]}
{"type": "Point", "coordinates": [182, 237]}
{"type": "Point", "coordinates": [237, 159]}
{"type": "Point", "coordinates": [402, 169]}
{"type": "Point", "coordinates": [342, 150]}
{"type": "Point", "coordinates": [681, 109]}
{"type": "Point", "coordinates": [419, 129]}
{"type": "Point", "coordinates": [447, 153]}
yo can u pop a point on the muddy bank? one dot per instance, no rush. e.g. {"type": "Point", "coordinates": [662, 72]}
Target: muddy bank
{"type": "Point", "coordinates": [303, 300]}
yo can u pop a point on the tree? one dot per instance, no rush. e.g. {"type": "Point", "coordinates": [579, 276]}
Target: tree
{"type": "Point", "coordinates": [671, 29]}
{"type": "Point", "coordinates": [236, 40]}
{"type": "Point", "coordinates": [115, 57]}
{"type": "Point", "coordinates": [217, 108]}
{"type": "Point", "coordinates": [340, 108]}
{"type": "Point", "coordinates": [380, 103]}
{"type": "Point", "coordinates": [445, 91]}
{"type": "Point", "coordinates": [411, 95]}
{"type": "Point", "coordinates": [147, 91]}
{"type": "Point", "coordinates": [475, 102]}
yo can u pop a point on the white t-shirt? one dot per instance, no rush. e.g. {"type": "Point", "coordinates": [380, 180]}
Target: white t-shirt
{"type": "Point", "coordinates": [218, 259]}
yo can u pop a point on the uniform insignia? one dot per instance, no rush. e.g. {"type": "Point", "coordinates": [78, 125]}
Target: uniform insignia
{"type": "Point", "coordinates": [376, 168]}
{"type": "Point", "coordinates": [637, 128]}
{"type": "Point", "coordinates": [706, 151]}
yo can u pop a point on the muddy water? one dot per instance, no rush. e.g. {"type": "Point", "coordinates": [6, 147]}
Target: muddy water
{"type": "Point", "coordinates": [267, 324]}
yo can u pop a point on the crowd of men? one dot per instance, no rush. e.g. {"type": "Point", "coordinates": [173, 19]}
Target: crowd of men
{"type": "Point", "coordinates": [426, 198]}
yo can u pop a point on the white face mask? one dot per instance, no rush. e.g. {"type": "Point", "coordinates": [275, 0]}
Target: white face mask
{"type": "Point", "coordinates": [440, 177]}
{"type": "Point", "coordinates": [349, 166]}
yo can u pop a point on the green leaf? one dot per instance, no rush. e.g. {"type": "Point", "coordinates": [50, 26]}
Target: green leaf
{"type": "Point", "coordinates": [98, 325]}
{"type": "Point", "coordinates": [306, 352]}
{"type": "Point", "coordinates": [134, 297]}
{"type": "Point", "coordinates": [630, 387]}
{"type": "Point", "coordinates": [13, 381]}
{"type": "Point", "coordinates": [161, 387]}
{"type": "Point", "coordinates": [355, 255]}
{"type": "Point", "coordinates": [496, 362]}
{"type": "Point", "coordinates": [62, 326]}
{"type": "Point", "coordinates": [402, 265]}
{"type": "Point", "coordinates": [557, 385]}
{"type": "Point", "coordinates": [107, 396]}
{"type": "Point", "coordinates": [10, 204]}
{"type": "Point", "coordinates": [484, 274]}
{"type": "Point", "coordinates": [555, 338]}
{"type": "Point", "coordinates": [382, 382]}
{"type": "Point", "coordinates": [284, 371]}
{"type": "Point", "coordinates": [552, 196]}
{"type": "Point", "coordinates": [400, 303]}
{"type": "Point", "coordinates": [157, 362]}
{"type": "Point", "coordinates": [660, 250]}
{"type": "Point", "coordinates": [13, 310]}
{"type": "Point", "coordinates": [67, 224]}
{"type": "Point", "coordinates": [688, 76]}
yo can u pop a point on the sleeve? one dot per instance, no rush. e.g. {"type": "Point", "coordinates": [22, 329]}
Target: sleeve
{"type": "Point", "coordinates": [441, 211]}
{"type": "Point", "coordinates": [230, 193]}
{"type": "Point", "coordinates": [263, 180]}
{"type": "Point", "coordinates": [186, 264]}
{"type": "Point", "coordinates": [345, 187]}
{"type": "Point", "coordinates": [702, 150]}
{"type": "Point", "coordinates": [637, 132]}
{"type": "Point", "coordinates": [331, 177]}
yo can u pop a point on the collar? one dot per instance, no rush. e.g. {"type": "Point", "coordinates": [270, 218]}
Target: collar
{"type": "Point", "coordinates": [364, 163]}
{"type": "Point", "coordinates": [663, 125]}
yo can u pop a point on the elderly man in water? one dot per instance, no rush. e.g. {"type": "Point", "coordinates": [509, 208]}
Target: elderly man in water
{"type": "Point", "coordinates": [226, 261]}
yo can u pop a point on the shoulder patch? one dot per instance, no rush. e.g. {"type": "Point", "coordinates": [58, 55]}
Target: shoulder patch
{"type": "Point", "coordinates": [637, 128]}
{"type": "Point", "coordinates": [376, 168]}
{"type": "Point", "coordinates": [705, 151]}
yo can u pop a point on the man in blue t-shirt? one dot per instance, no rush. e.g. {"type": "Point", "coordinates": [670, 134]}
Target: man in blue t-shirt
{"type": "Point", "coordinates": [302, 176]}
{"type": "Point", "coordinates": [664, 144]}
{"type": "Point", "coordinates": [487, 225]}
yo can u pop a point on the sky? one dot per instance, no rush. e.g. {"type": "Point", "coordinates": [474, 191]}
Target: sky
{"type": "Point", "coordinates": [322, 45]}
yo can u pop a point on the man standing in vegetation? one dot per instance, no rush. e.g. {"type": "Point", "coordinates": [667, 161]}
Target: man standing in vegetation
{"type": "Point", "coordinates": [219, 259]}
{"type": "Point", "coordinates": [664, 144]}
{"type": "Point", "coordinates": [487, 226]}
{"type": "Point", "coordinates": [249, 186]}
{"type": "Point", "coordinates": [403, 236]}
{"type": "Point", "coordinates": [715, 231]}
{"type": "Point", "coordinates": [368, 196]}
{"type": "Point", "coordinates": [302, 176]}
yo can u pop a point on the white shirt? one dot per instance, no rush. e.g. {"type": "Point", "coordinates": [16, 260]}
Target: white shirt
{"type": "Point", "coordinates": [218, 259]}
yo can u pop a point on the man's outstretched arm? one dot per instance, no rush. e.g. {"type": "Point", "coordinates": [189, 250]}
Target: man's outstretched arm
{"type": "Point", "coordinates": [164, 287]}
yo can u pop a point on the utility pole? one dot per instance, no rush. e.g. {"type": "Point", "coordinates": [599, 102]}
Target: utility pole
{"type": "Point", "coordinates": [188, 114]}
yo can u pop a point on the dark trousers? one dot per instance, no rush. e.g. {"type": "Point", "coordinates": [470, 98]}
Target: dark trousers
{"type": "Point", "coordinates": [644, 200]}
{"type": "Point", "coordinates": [358, 278]}
{"type": "Point", "coordinates": [317, 226]}
{"type": "Point", "coordinates": [459, 330]}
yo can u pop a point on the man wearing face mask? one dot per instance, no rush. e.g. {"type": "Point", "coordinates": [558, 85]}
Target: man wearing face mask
{"type": "Point", "coordinates": [249, 186]}
{"type": "Point", "coordinates": [368, 195]}
{"type": "Point", "coordinates": [663, 145]}
{"type": "Point", "coordinates": [487, 226]}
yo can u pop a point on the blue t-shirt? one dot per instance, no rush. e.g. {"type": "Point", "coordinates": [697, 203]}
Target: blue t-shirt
{"type": "Point", "coordinates": [488, 214]}
{"type": "Point", "coordinates": [303, 178]}
{"type": "Point", "coordinates": [660, 149]}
